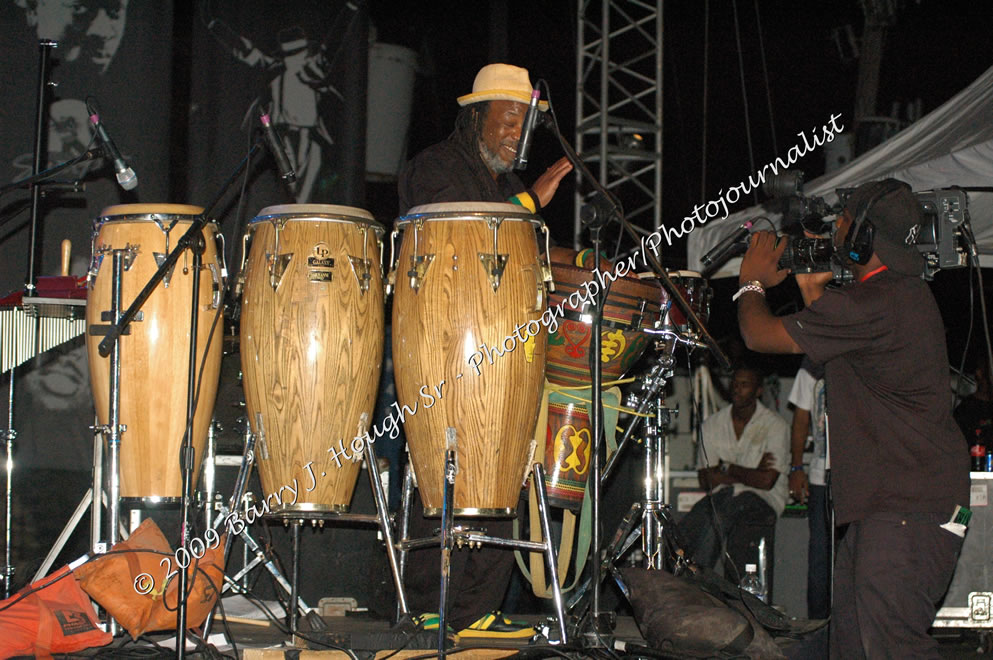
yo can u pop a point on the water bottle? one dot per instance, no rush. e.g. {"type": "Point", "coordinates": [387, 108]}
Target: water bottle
{"type": "Point", "coordinates": [751, 582]}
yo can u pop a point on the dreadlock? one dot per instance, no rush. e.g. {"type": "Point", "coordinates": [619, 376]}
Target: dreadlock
{"type": "Point", "coordinates": [469, 124]}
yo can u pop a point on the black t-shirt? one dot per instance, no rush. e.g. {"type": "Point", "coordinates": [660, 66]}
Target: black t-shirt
{"type": "Point", "coordinates": [450, 172]}
{"type": "Point", "coordinates": [894, 444]}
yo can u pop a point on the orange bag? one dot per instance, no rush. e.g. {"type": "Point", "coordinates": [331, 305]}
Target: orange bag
{"type": "Point", "coordinates": [137, 603]}
{"type": "Point", "coordinates": [58, 618]}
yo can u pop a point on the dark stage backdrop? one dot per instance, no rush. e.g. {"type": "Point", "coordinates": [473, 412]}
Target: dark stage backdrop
{"type": "Point", "coordinates": [178, 86]}
{"type": "Point", "coordinates": [306, 61]}
{"type": "Point", "coordinates": [120, 54]}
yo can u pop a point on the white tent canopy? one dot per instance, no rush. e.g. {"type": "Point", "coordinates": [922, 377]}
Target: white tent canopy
{"type": "Point", "coordinates": [951, 146]}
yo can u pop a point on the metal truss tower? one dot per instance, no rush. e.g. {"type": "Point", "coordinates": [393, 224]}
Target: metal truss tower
{"type": "Point", "coordinates": [619, 104]}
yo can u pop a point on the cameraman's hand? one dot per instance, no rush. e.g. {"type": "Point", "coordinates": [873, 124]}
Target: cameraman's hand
{"type": "Point", "coordinates": [761, 261]}
{"type": "Point", "coordinates": [812, 285]}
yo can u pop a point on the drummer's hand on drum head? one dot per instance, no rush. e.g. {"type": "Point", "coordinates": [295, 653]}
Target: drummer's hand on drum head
{"type": "Point", "coordinates": [548, 183]}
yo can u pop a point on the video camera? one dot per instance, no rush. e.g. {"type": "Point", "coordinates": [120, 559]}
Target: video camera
{"type": "Point", "coordinates": [940, 241]}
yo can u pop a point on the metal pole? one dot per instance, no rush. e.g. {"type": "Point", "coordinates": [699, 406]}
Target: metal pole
{"type": "Point", "coordinates": [187, 452]}
{"type": "Point", "coordinates": [114, 419]}
{"type": "Point", "coordinates": [384, 525]}
{"type": "Point", "coordinates": [8, 569]}
{"type": "Point", "coordinates": [45, 47]}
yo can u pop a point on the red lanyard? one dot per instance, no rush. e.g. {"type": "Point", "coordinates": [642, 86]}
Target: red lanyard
{"type": "Point", "coordinates": [878, 270]}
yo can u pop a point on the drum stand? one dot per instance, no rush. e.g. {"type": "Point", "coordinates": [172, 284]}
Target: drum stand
{"type": "Point", "coordinates": [261, 554]}
{"type": "Point", "coordinates": [381, 519]}
{"type": "Point", "coordinates": [452, 535]}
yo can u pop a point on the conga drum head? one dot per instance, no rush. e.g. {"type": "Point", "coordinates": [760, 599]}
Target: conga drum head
{"type": "Point", "coordinates": [469, 349]}
{"type": "Point", "coordinates": [155, 354]}
{"type": "Point", "coordinates": [632, 304]}
{"type": "Point", "coordinates": [311, 349]}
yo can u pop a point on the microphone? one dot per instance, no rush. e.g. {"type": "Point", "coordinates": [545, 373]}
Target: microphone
{"type": "Point", "coordinates": [125, 175]}
{"type": "Point", "coordinates": [723, 250]}
{"type": "Point", "coordinates": [276, 148]}
{"type": "Point", "coordinates": [524, 144]}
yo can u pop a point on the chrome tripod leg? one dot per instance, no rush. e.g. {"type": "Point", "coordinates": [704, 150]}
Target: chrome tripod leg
{"type": "Point", "coordinates": [385, 527]}
{"type": "Point", "coordinates": [550, 556]}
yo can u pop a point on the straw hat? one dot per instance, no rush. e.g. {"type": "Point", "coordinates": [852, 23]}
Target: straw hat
{"type": "Point", "coordinates": [501, 82]}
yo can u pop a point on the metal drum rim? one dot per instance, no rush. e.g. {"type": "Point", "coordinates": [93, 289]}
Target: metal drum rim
{"type": "Point", "coordinates": [473, 512]}
{"type": "Point", "coordinates": [147, 217]}
{"type": "Point", "coordinates": [468, 216]}
{"type": "Point", "coordinates": [320, 217]}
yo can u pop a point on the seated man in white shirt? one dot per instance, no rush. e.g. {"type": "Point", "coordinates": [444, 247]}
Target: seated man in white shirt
{"type": "Point", "coordinates": [742, 463]}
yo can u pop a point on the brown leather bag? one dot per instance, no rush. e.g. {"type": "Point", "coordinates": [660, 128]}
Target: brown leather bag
{"type": "Point", "coordinates": [137, 581]}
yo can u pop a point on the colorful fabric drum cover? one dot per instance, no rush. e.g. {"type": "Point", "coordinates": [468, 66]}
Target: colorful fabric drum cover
{"type": "Point", "coordinates": [632, 304]}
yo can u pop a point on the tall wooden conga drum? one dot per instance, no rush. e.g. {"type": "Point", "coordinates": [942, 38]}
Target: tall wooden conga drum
{"type": "Point", "coordinates": [468, 277]}
{"type": "Point", "coordinates": [311, 348]}
{"type": "Point", "coordinates": [155, 354]}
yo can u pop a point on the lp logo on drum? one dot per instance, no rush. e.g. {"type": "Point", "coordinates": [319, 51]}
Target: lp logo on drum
{"type": "Point", "coordinates": [320, 264]}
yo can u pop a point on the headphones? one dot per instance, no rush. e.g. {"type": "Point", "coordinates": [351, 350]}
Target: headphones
{"type": "Point", "coordinates": [857, 246]}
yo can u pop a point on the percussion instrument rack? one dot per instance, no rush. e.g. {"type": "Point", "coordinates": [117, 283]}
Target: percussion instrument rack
{"type": "Point", "coordinates": [452, 536]}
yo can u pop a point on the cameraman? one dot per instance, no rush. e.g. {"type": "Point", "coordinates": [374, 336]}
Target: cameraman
{"type": "Point", "coordinates": [898, 461]}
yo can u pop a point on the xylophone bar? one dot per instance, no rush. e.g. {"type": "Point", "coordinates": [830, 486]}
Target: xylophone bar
{"type": "Point", "coordinates": [22, 336]}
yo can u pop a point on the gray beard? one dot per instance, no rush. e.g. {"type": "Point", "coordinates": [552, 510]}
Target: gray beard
{"type": "Point", "coordinates": [492, 161]}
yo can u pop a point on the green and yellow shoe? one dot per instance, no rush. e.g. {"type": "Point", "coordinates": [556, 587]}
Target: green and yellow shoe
{"type": "Point", "coordinates": [496, 626]}
{"type": "Point", "coordinates": [428, 621]}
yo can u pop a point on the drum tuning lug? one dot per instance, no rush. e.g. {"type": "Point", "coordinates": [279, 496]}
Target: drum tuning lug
{"type": "Point", "coordinates": [360, 269]}
{"type": "Point", "coordinates": [160, 258]}
{"type": "Point", "coordinates": [391, 281]}
{"type": "Point", "coordinates": [277, 267]}
{"type": "Point", "coordinates": [494, 265]}
{"type": "Point", "coordinates": [418, 269]}
{"type": "Point", "coordinates": [216, 285]}
{"type": "Point", "coordinates": [130, 252]}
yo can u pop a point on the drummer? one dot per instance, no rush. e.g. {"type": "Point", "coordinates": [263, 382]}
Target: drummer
{"type": "Point", "coordinates": [475, 163]}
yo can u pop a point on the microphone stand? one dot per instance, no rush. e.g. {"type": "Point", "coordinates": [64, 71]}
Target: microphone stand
{"type": "Point", "coordinates": [192, 240]}
{"type": "Point", "coordinates": [600, 217]}
{"type": "Point", "coordinates": [45, 47]}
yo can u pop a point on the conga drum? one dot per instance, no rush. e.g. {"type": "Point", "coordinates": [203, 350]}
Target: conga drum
{"type": "Point", "coordinates": [311, 349]}
{"type": "Point", "coordinates": [469, 349]}
{"type": "Point", "coordinates": [632, 304]}
{"type": "Point", "coordinates": [155, 353]}
{"type": "Point", "coordinates": [696, 292]}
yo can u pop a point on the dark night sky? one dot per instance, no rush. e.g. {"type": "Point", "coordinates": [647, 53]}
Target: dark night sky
{"type": "Point", "coordinates": [934, 50]}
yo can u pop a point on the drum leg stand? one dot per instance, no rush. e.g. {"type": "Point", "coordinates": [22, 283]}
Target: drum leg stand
{"type": "Point", "coordinates": [262, 556]}
{"type": "Point", "coordinates": [381, 519]}
{"type": "Point", "coordinates": [452, 535]}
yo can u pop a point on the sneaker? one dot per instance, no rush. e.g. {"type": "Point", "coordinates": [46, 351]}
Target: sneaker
{"type": "Point", "coordinates": [496, 625]}
{"type": "Point", "coordinates": [428, 621]}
